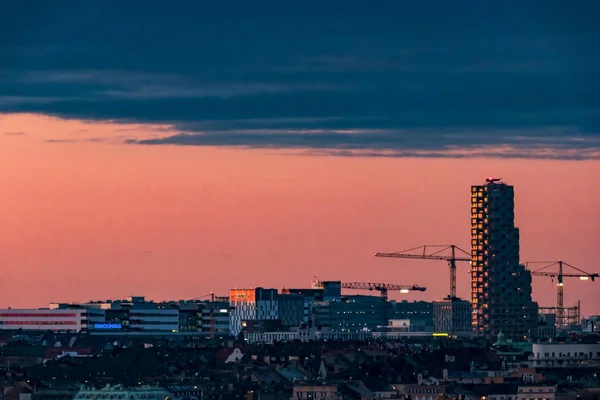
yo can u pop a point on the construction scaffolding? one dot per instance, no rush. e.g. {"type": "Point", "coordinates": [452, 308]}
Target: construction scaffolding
{"type": "Point", "coordinates": [571, 315]}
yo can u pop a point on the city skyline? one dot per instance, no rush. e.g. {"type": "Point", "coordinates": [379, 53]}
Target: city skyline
{"type": "Point", "coordinates": [120, 232]}
{"type": "Point", "coordinates": [173, 151]}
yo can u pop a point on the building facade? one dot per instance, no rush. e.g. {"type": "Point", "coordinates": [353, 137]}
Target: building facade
{"type": "Point", "coordinates": [500, 285]}
{"type": "Point", "coordinates": [313, 391]}
{"type": "Point", "coordinates": [591, 324]}
{"type": "Point", "coordinates": [420, 314]}
{"type": "Point", "coordinates": [251, 304]}
{"type": "Point", "coordinates": [452, 316]}
{"type": "Point", "coordinates": [121, 392]}
{"type": "Point", "coordinates": [154, 318]}
{"type": "Point", "coordinates": [310, 296]}
{"type": "Point", "coordinates": [565, 355]}
{"type": "Point", "coordinates": [538, 392]}
{"type": "Point", "coordinates": [291, 309]}
{"type": "Point", "coordinates": [332, 290]}
{"type": "Point", "coordinates": [215, 318]}
{"type": "Point", "coordinates": [351, 314]}
{"type": "Point", "coordinates": [134, 315]}
{"type": "Point", "coordinates": [67, 320]}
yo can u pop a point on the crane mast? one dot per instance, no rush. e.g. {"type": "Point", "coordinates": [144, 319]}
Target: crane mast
{"type": "Point", "coordinates": [434, 252]}
{"type": "Point", "coordinates": [560, 275]}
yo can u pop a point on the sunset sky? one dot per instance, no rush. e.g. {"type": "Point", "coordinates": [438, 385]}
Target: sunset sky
{"type": "Point", "coordinates": [175, 150]}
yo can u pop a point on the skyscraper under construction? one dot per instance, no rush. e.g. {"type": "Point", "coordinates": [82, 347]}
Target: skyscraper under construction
{"type": "Point", "coordinates": [500, 286]}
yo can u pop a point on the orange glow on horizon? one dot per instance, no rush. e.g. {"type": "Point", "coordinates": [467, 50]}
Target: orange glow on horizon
{"type": "Point", "coordinates": [96, 219]}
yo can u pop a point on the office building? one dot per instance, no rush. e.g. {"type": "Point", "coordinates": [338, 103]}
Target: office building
{"type": "Point", "coordinates": [190, 319]}
{"type": "Point", "coordinates": [309, 296]}
{"type": "Point", "coordinates": [500, 286]}
{"type": "Point", "coordinates": [154, 318]}
{"type": "Point", "coordinates": [261, 325]}
{"type": "Point", "coordinates": [251, 304]}
{"type": "Point", "coordinates": [136, 314]}
{"type": "Point", "coordinates": [209, 317]}
{"type": "Point", "coordinates": [215, 318]}
{"type": "Point", "coordinates": [131, 316]}
{"type": "Point", "coordinates": [332, 290]}
{"type": "Point", "coordinates": [67, 320]}
{"type": "Point", "coordinates": [351, 314]}
{"type": "Point", "coordinates": [452, 316]}
{"type": "Point", "coordinates": [419, 313]}
{"type": "Point", "coordinates": [291, 309]}
{"type": "Point", "coordinates": [412, 310]}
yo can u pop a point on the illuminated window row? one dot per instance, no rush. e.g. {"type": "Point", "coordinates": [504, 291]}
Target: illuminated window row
{"type": "Point", "coordinates": [43, 322]}
{"type": "Point", "coordinates": [38, 315]}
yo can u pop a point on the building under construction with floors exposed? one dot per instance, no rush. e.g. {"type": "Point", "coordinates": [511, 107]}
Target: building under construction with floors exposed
{"type": "Point", "coordinates": [500, 286]}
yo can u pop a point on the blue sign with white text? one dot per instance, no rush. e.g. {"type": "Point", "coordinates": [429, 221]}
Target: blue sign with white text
{"type": "Point", "coordinates": [108, 326]}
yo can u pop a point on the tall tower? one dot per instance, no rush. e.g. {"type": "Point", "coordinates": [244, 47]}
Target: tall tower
{"type": "Point", "coordinates": [501, 287]}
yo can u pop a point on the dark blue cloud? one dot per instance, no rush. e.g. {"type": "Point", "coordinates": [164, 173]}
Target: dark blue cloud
{"type": "Point", "coordinates": [264, 70]}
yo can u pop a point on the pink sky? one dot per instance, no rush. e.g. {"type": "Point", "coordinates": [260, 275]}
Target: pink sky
{"type": "Point", "coordinates": [98, 220]}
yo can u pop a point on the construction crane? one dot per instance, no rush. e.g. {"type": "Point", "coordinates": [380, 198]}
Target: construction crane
{"type": "Point", "coordinates": [560, 275]}
{"type": "Point", "coordinates": [381, 287]}
{"type": "Point", "coordinates": [213, 298]}
{"type": "Point", "coordinates": [434, 252]}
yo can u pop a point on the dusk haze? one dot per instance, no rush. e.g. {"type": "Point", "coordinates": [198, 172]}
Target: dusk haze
{"type": "Point", "coordinates": [182, 151]}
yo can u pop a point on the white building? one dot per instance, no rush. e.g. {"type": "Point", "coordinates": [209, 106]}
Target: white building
{"type": "Point", "coordinates": [537, 393]}
{"type": "Point", "coordinates": [66, 320]}
{"type": "Point", "coordinates": [565, 355]}
{"type": "Point", "coordinates": [305, 335]}
{"type": "Point", "coordinates": [119, 392]}
{"type": "Point", "coordinates": [270, 337]}
{"type": "Point", "coordinates": [93, 315]}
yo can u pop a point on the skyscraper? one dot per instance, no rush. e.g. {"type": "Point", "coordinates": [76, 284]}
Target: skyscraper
{"type": "Point", "coordinates": [501, 287]}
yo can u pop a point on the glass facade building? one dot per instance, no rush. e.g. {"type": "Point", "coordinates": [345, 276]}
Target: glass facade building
{"type": "Point", "coordinates": [500, 286]}
{"type": "Point", "coordinates": [351, 314]}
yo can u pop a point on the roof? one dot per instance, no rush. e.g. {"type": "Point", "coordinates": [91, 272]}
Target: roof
{"type": "Point", "coordinates": [54, 352]}
{"type": "Point", "coordinates": [22, 350]}
{"type": "Point", "coordinates": [360, 388]}
{"type": "Point", "coordinates": [291, 373]}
